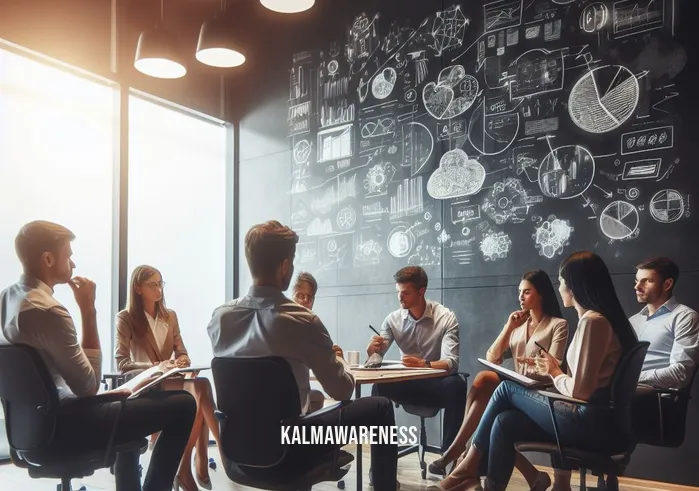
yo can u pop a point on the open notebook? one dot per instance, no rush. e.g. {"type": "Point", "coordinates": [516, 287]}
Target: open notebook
{"type": "Point", "coordinates": [148, 379]}
{"type": "Point", "coordinates": [512, 375]}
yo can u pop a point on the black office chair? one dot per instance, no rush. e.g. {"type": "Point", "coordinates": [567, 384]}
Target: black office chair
{"type": "Point", "coordinates": [30, 400]}
{"type": "Point", "coordinates": [422, 447]}
{"type": "Point", "coordinates": [255, 397]}
{"type": "Point", "coordinates": [613, 461]}
{"type": "Point", "coordinates": [672, 407]}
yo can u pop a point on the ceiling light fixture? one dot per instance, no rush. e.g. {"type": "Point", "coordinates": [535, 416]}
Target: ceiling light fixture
{"type": "Point", "coordinates": [288, 6]}
{"type": "Point", "coordinates": [158, 53]}
{"type": "Point", "coordinates": [216, 47]}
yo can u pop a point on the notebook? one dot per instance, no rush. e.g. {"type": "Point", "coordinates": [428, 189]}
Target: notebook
{"type": "Point", "coordinates": [512, 375]}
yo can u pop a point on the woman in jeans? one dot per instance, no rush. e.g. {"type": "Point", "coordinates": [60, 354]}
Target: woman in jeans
{"type": "Point", "coordinates": [518, 414]}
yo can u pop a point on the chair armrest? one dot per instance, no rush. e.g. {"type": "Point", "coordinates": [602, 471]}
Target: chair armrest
{"type": "Point", "coordinates": [464, 376]}
{"type": "Point", "coordinates": [560, 397]}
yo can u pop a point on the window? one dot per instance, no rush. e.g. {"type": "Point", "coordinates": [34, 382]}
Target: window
{"type": "Point", "coordinates": [56, 163]}
{"type": "Point", "coordinates": [177, 212]}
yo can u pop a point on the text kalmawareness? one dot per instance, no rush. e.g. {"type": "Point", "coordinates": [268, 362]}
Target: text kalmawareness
{"type": "Point", "coordinates": [342, 435]}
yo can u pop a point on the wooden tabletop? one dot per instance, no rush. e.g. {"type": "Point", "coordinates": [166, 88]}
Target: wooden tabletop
{"type": "Point", "coordinates": [384, 375]}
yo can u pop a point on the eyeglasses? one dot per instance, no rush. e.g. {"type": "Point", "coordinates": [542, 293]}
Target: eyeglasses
{"type": "Point", "coordinates": [154, 284]}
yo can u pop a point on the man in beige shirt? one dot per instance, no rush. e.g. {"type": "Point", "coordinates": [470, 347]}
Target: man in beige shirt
{"type": "Point", "coordinates": [30, 315]}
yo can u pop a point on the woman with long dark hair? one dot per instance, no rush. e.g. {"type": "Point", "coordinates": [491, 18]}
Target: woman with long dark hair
{"type": "Point", "coordinates": [518, 414]}
{"type": "Point", "coordinates": [539, 320]}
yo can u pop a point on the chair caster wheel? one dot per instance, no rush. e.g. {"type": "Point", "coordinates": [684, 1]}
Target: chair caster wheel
{"type": "Point", "coordinates": [424, 474]}
{"type": "Point", "coordinates": [341, 484]}
{"type": "Point", "coordinates": [212, 463]}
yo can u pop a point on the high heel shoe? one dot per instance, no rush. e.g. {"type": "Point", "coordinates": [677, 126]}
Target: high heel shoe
{"type": "Point", "coordinates": [178, 484]}
{"type": "Point", "coordinates": [204, 484]}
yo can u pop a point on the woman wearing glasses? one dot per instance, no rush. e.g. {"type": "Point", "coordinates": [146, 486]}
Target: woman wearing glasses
{"type": "Point", "coordinates": [148, 334]}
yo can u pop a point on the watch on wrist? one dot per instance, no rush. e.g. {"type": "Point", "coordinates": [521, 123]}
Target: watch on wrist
{"type": "Point", "coordinates": [428, 364]}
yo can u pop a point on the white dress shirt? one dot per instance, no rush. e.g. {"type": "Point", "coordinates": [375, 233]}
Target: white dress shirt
{"type": "Point", "coordinates": [433, 337]}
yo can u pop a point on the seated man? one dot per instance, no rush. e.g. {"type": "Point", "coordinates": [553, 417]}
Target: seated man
{"type": "Point", "coordinates": [32, 316]}
{"type": "Point", "coordinates": [305, 290]}
{"type": "Point", "coordinates": [266, 323]}
{"type": "Point", "coordinates": [673, 332]}
{"type": "Point", "coordinates": [427, 334]}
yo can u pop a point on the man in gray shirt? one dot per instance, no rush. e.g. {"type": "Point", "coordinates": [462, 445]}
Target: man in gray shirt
{"type": "Point", "coordinates": [672, 329]}
{"type": "Point", "coordinates": [266, 323]}
{"type": "Point", "coordinates": [30, 315]}
{"type": "Point", "coordinates": [427, 334]}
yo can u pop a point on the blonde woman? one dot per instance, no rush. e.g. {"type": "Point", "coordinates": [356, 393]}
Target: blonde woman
{"type": "Point", "coordinates": [148, 334]}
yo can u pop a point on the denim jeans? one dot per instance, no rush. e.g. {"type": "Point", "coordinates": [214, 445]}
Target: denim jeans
{"type": "Point", "coordinates": [516, 414]}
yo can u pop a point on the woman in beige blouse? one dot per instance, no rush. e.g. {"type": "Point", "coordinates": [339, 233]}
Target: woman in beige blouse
{"type": "Point", "coordinates": [515, 413]}
{"type": "Point", "coordinates": [148, 334]}
{"type": "Point", "coordinates": [539, 321]}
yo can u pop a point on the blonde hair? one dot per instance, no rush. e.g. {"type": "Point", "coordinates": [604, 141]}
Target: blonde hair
{"type": "Point", "coordinates": [37, 237]}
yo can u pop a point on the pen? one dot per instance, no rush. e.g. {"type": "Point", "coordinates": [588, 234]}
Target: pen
{"type": "Point", "coordinates": [541, 347]}
{"type": "Point", "coordinates": [372, 328]}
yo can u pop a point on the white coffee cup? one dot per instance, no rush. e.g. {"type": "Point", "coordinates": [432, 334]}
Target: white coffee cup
{"type": "Point", "coordinates": [353, 358]}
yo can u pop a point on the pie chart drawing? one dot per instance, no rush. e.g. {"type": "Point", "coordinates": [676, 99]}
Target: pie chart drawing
{"type": "Point", "coordinates": [566, 172]}
{"type": "Point", "coordinates": [667, 206]}
{"type": "Point", "coordinates": [603, 99]}
{"type": "Point", "coordinates": [619, 220]}
{"type": "Point", "coordinates": [491, 134]}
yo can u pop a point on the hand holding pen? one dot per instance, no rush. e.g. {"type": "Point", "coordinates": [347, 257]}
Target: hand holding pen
{"type": "Point", "coordinates": [377, 342]}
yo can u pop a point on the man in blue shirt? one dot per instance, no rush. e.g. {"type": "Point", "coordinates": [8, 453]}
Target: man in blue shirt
{"type": "Point", "coordinates": [672, 329]}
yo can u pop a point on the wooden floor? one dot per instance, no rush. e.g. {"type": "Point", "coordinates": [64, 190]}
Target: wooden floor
{"type": "Point", "coordinates": [16, 479]}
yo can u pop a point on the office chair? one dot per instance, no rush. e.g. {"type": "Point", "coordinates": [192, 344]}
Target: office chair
{"type": "Point", "coordinates": [30, 400]}
{"type": "Point", "coordinates": [673, 405]}
{"type": "Point", "coordinates": [255, 397]}
{"type": "Point", "coordinates": [612, 461]}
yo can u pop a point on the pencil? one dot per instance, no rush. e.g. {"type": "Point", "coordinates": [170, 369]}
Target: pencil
{"type": "Point", "coordinates": [542, 348]}
{"type": "Point", "coordinates": [372, 328]}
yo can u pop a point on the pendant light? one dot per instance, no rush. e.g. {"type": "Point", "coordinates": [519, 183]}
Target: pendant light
{"type": "Point", "coordinates": [288, 6]}
{"type": "Point", "coordinates": [158, 53]}
{"type": "Point", "coordinates": [216, 47]}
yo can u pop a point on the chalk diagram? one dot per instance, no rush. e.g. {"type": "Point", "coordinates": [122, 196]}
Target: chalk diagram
{"type": "Point", "coordinates": [457, 176]}
{"type": "Point", "coordinates": [619, 220]}
{"type": "Point", "coordinates": [566, 172]}
{"type": "Point", "coordinates": [495, 245]}
{"type": "Point", "coordinates": [594, 18]}
{"type": "Point", "coordinates": [400, 241]}
{"type": "Point", "coordinates": [448, 29]}
{"type": "Point", "coordinates": [452, 95]}
{"type": "Point", "coordinates": [667, 206]}
{"type": "Point", "coordinates": [506, 202]}
{"type": "Point", "coordinates": [603, 99]}
{"type": "Point", "coordinates": [418, 144]}
{"type": "Point", "coordinates": [491, 134]}
{"type": "Point", "coordinates": [383, 83]}
{"type": "Point", "coordinates": [551, 236]}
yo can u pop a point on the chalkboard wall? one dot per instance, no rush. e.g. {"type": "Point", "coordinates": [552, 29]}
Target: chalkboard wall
{"type": "Point", "coordinates": [478, 140]}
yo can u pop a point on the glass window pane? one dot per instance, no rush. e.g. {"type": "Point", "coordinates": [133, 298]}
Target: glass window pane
{"type": "Point", "coordinates": [177, 211]}
{"type": "Point", "coordinates": [56, 163]}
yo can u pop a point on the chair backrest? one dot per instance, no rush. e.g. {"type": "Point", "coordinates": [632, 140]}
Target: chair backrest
{"type": "Point", "coordinates": [256, 395]}
{"type": "Point", "coordinates": [623, 386]}
{"type": "Point", "coordinates": [29, 398]}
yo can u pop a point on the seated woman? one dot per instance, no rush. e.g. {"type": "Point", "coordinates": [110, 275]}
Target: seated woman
{"type": "Point", "coordinates": [539, 321]}
{"type": "Point", "coordinates": [148, 334]}
{"type": "Point", "coordinates": [515, 413]}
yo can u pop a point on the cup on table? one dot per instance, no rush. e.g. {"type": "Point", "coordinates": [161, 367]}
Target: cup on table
{"type": "Point", "coordinates": [539, 365]}
{"type": "Point", "coordinates": [353, 358]}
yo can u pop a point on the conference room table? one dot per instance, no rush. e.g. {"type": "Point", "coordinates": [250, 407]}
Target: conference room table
{"type": "Point", "coordinates": [366, 376]}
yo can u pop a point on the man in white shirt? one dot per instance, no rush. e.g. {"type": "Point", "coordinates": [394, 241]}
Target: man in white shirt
{"type": "Point", "coordinates": [30, 315]}
{"type": "Point", "coordinates": [672, 329]}
{"type": "Point", "coordinates": [266, 323]}
{"type": "Point", "coordinates": [427, 334]}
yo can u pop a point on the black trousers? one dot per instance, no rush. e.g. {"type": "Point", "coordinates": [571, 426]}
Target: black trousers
{"type": "Point", "coordinates": [366, 411]}
{"type": "Point", "coordinates": [658, 421]}
{"type": "Point", "coordinates": [448, 393]}
{"type": "Point", "coordinates": [85, 424]}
